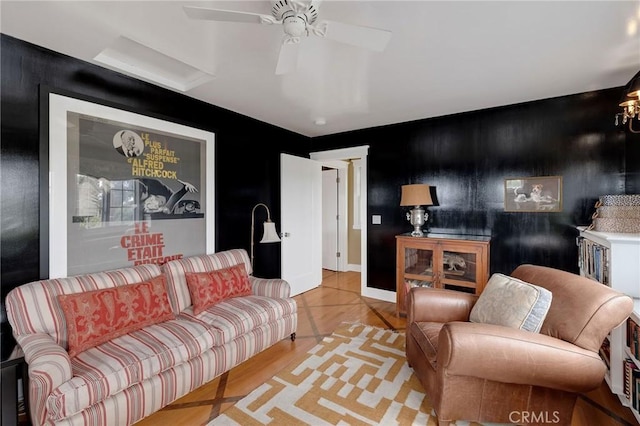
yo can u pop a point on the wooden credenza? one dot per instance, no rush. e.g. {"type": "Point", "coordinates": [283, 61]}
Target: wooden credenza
{"type": "Point", "coordinates": [455, 262]}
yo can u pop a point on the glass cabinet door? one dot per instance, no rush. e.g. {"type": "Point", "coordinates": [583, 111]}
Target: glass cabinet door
{"type": "Point", "coordinates": [418, 267]}
{"type": "Point", "coordinates": [459, 269]}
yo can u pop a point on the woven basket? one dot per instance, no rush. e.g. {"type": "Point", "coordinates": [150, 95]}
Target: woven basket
{"type": "Point", "coordinates": [620, 200]}
{"type": "Point", "coordinates": [616, 225]}
{"type": "Point", "coordinates": [617, 213]}
{"type": "Point", "coordinates": [622, 212]}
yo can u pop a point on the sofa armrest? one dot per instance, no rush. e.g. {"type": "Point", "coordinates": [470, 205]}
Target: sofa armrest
{"type": "Point", "coordinates": [426, 304]}
{"type": "Point", "coordinates": [49, 367]}
{"type": "Point", "coordinates": [510, 355]}
{"type": "Point", "coordinates": [273, 287]}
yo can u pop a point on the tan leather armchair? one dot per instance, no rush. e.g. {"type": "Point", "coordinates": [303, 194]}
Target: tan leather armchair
{"type": "Point", "coordinates": [491, 373]}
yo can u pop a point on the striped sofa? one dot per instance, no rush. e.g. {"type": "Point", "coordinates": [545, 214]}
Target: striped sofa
{"type": "Point", "coordinates": [123, 380]}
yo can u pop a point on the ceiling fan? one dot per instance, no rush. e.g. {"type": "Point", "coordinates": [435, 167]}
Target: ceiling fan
{"type": "Point", "coordinates": [298, 19]}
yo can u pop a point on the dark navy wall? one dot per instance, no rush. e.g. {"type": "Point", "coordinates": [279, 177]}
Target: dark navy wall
{"type": "Point", "coordinates": [247, 152]}
{"type": "Point", "coordinates": [468, 156]}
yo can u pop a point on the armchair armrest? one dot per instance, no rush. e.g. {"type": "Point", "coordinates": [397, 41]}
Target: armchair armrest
{"type": "Point", "coordinates": [426, 304]}
{"type": "Point", "coordinates": [511, 355]}
{"type": "Point", "coordinates": [49, 367]}
{"type": "Point", "coordinates": [274, 287]}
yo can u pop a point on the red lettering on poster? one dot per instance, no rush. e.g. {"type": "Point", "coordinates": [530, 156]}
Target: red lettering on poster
{"type": "Point", "coordinates": [145, 247]}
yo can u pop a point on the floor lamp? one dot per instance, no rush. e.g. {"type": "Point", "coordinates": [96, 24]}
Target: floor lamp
{"type": "Point", "coordinates": [270, 234]}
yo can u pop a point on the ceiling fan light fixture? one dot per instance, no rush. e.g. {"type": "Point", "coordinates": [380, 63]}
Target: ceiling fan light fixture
{"type": "Point", "coordinates": [295, 26]}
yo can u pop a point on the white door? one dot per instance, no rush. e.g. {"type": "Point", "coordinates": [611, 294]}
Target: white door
{"type": "Point", "coordinates": [301, 210]}
{"type": "Point", "coordinates": [330, 216]}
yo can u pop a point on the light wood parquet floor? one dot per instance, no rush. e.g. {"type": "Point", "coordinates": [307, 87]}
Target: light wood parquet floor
{"type": "Point", "coordinates": [320, 311]}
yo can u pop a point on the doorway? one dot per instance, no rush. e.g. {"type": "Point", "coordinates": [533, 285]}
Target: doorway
{"type": "Point", "coordinates": [327, 158]}
{"type": "Point", "coordinates": [334, 215]}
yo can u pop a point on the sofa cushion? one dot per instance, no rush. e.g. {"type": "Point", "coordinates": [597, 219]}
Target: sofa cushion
{"type": "Point", "coordinates": [109, 368]}
{"type": "Point", "coordinates": [234, 317]}
{"type": "Point", "coordinates": [208, 288]}
{"type": "Point", "coordinates": [95, 317]}
{"type": "Point", "coordinates": [175, 271]}
{"type": "Point", "coordinates": [510, 302]}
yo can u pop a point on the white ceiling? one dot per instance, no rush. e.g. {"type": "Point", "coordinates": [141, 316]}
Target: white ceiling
{"type": "Point", "coordinates": [444, 57]}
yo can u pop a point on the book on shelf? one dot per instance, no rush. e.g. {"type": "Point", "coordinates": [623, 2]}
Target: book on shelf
{"type": "Point", "coordinates": [628, 367]}
{"type": "Point", "coordinates": [593, 260]}
{"type": "Point", "coordinates": [636, 389]}
{"type": "Point", "coordinates": [633, 338]}
{"type": "Point", "coordinates": [631, 364]}
{"type": "Point", "coordinates": [631, 384]}
{"type": "Point", "coordinates": [605, 352]}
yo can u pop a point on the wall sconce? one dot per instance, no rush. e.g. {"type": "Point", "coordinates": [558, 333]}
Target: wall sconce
{"type": "Point", "coordinates": [630, 104]}
{"type": "Point", "coordinates": [416, 195]}
{"type": "Point", "coordinates": [270, 234]}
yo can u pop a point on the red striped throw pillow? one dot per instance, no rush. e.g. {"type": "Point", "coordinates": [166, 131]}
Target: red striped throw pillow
{"type": "Point", "coordinates": [211, 287]}
{"type": "Point", "coordinates": [95, 317]}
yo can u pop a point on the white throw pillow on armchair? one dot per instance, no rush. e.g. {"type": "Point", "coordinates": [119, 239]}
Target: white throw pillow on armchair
{"type": "Point", "coordinates": [512, 303]}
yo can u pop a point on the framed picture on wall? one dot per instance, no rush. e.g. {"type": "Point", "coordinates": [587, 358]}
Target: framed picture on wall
{"type": "Point", "coordinates": [124, 188]}
{"type": "Point", "coordinates": [533, 194]}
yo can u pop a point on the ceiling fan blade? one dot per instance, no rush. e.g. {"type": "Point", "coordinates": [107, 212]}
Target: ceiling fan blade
{"type": "Point", "coordinates": [288, 58]}
{"type": "Point", "coordinates": [224, 15]}
{"type": "Point", "coordinates": [375, 39]}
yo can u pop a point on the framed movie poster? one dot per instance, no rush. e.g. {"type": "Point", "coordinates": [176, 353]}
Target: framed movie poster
{"type": "Point", "coordinates": [125, 189]}
{"type": "Point", "coordinates": [533, 194]}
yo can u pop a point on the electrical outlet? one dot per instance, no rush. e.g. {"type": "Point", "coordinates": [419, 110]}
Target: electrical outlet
{"type": "Point", "coordinates": [376, 219]}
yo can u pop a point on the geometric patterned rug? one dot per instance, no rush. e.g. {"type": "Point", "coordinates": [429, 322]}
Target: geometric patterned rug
{"type": "Point", "coordinates": [356, 376]}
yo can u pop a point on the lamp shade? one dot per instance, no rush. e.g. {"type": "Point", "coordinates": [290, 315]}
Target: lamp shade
{"type": "Point", "coordinates": [633, 90]}
{"type": "Point", "coordinates": [270, 233]}
{"type": "Point", "coordinates": [416, 195]}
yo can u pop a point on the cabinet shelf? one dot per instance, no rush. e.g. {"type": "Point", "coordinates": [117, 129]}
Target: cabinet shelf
{"type": "Point", "coordinates": [470, 284]}
{"type": "Point", "coordinates": [455, 262]}
{"type": "Point", "coordinates": [417, 276]}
